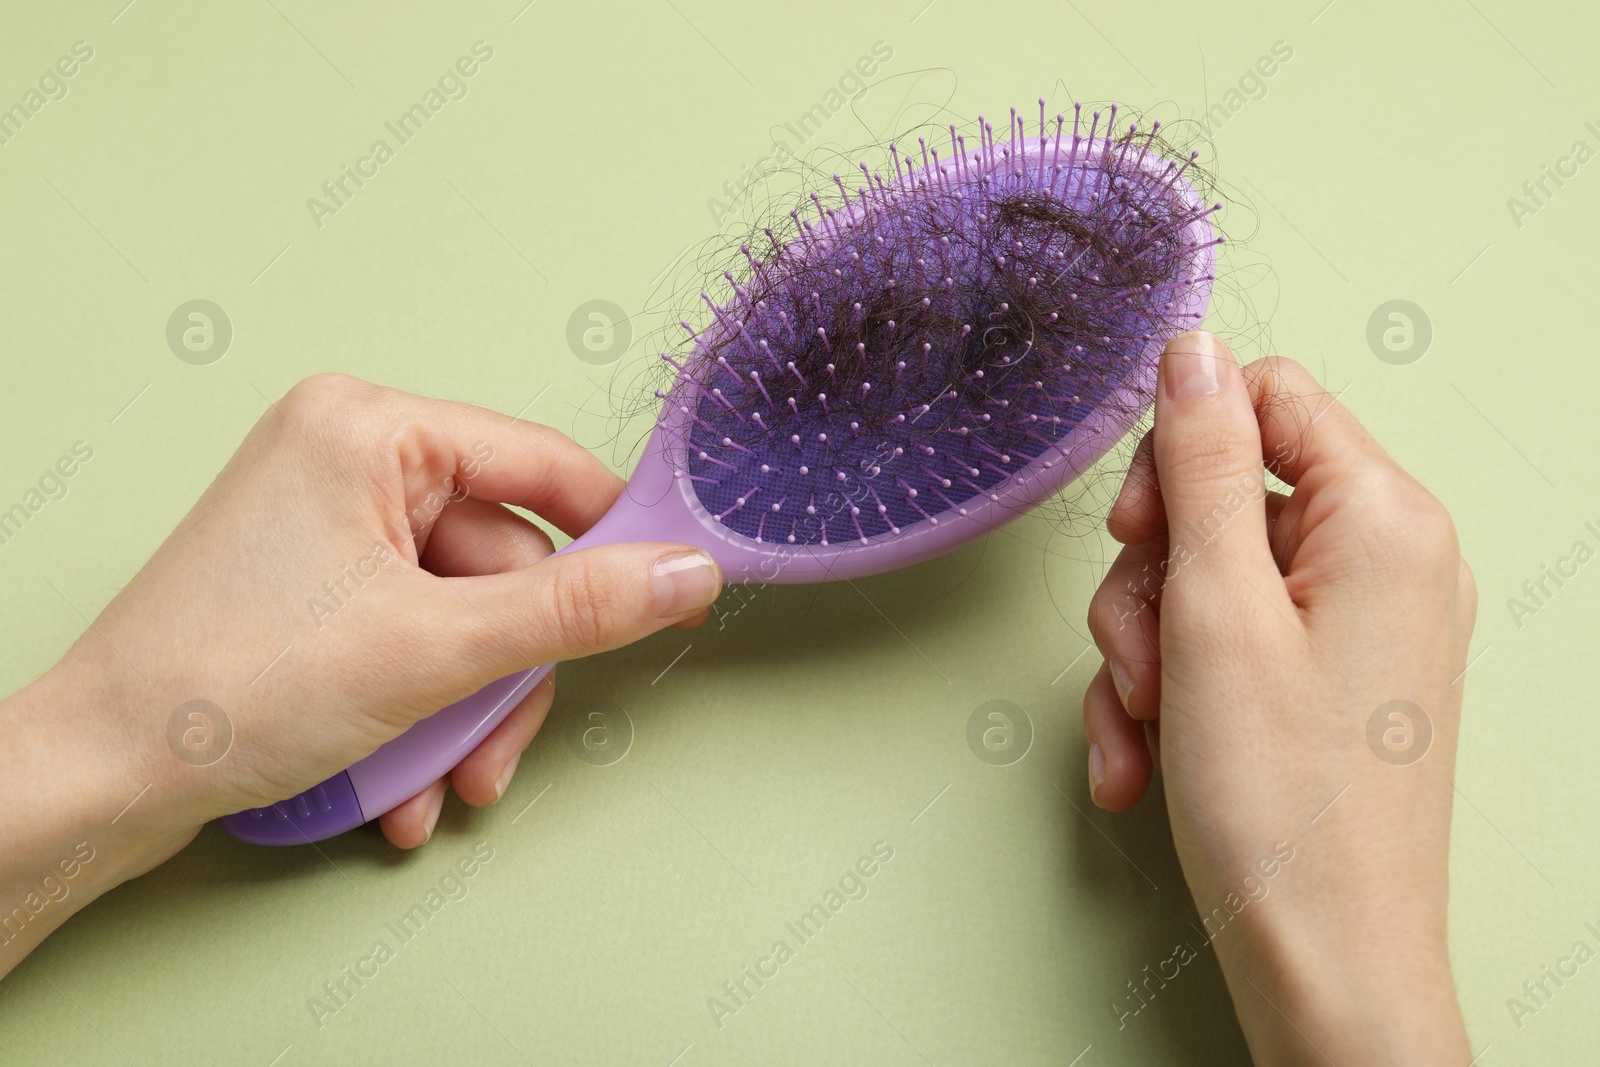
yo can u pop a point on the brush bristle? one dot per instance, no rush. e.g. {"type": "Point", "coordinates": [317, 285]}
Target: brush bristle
{"type": "Point", "coordinates": [917, 344]}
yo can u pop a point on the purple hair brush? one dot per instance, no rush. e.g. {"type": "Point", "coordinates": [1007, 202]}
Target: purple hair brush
{"type": "Point", "coordinates": [917, 363]}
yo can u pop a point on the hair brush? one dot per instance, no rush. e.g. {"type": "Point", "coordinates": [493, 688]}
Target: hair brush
{"type": "Point", "coordinates": [909, 364]}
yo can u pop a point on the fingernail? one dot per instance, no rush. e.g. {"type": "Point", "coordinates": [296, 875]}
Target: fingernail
{"type": "Point", "coordinates": [1097, 768]}
{"type": "Point", "coordinates": [432, 819]}
{"type": "Point", "coordinates": [1122, 678]}
{"type": "Point", "coordinates": [684, 581]}
{"type": "Point", "coordinates": [1194, 365]}
{"type": "Point", "coordinates": [506, 772]}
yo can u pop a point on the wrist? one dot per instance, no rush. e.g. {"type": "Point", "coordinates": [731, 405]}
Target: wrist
{"type": "Point", "coordinates": [71, 786]}
{"type": "Point", "coordinates": [1313, 981]}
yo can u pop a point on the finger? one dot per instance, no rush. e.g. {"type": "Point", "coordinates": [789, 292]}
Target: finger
{"type": "Point", "coordinates": [1304, 431]}
{"type": "Point", "coordinates": [1207, 448]}
{"type": "Point", "coordinates": [570, 605]}
{"type": "Point", "coordinates": [481, 537]}
{"type": "Point", "coordinates": [475, 537]}
{"type": "Point", "coordinates": [1119, 762]}
{"type": "Point", "coordinates": [515, 462]}
{"type": "Point", "coordinates": [448, 450]}
{"type": "Point", "coordinates": [1138, 514]}
{"type": "Point", "coordinates": [1377, 519]}
{"type": "Point", "coordinates": [1149, 514]}
{"type": "Point", "coordinates": [482, 777]}
{"type": "Point", "coordinates": [1125, 622]}
{"type": "Point", "coordinates": [412, 823]}
{"type": "Point", "coordinates": [1282, 530]}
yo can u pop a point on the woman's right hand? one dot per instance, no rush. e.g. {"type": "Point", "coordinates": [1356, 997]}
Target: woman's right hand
{"type": "Point", "coordinates": [1292, 666]}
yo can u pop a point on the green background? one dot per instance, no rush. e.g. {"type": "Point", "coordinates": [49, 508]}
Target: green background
{"type": "Point", "coordinates": [806, 724]}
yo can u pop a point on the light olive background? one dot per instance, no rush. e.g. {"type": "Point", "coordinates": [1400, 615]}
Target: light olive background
{"type": "Point", "coordinates": [804, 725]}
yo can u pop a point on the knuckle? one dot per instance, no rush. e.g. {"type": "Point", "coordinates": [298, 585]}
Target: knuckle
{"type": "Point", "coordinates": [1112, 611]}
{"type": "Point", "coordinates": [585, 607]}
{"type": "Point", "coordinates": [1207, 456]}
{"type": "Point", "coordinates": [1407, 526]}
{"type": "Point", "coordinates": [1436, 531]}
{"type": "Point", "coordinates": [1102, 616]}
{"type": "Point", "coordinates": [325, 402]}
{"type": "Point", "coordinates": [321, 391]}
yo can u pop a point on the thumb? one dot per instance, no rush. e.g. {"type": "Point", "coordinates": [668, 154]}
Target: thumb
{"type": "Point", "coordinates": [1207, 444]}
{"type": "Point", "coordinates": [575, 604]}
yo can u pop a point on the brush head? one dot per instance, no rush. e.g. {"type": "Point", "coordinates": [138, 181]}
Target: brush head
{"type": "Point", "coordinates": [925, 343]}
